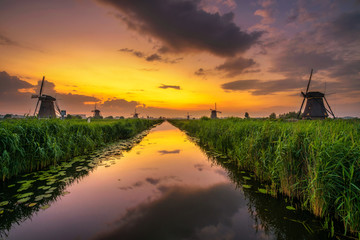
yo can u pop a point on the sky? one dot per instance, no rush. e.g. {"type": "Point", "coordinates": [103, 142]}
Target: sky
{"type": "Point", "coordinates": [170, 57]}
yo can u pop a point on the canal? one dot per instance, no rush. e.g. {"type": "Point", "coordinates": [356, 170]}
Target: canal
{"type": "Point", "coordinates": [160, 186]}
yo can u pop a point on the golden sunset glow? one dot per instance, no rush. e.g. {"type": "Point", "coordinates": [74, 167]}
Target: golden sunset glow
{"type": "Point", "coordinates": [89, 49]}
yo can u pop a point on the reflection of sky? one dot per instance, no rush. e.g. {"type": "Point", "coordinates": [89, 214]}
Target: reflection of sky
{"type": "Point", "coordinates": [215, 212]}
{"type": "Point", "coordinates": [163, 194]}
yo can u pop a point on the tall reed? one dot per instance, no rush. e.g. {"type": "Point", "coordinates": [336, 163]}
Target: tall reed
{"type": "Point", "coordinates": [31, 144]}
{"type": "Point", "coordinates": [317, 162]}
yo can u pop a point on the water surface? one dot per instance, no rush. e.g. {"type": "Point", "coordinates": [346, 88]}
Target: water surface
{"type": "Point", "coordinates": [165, 187]}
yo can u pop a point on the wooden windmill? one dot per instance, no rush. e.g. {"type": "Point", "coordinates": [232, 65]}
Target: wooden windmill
{"type": "Point", "coordinates": [136, 115]}
{"type": "Point", "coordinates": [214, 113]}
{"type": "Point", "coordinates": [96, 113]}
{"type": "Point", "coordinates": [314, 108]}
{"type": "Point", "coordinates": [48, 104]}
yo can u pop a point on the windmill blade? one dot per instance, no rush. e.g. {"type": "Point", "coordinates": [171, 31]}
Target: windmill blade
{"type": "Point", "coordinates": [329, 108]}
{"type": "Point", "coordinates": [307, 89]}
{"type": "Point", "coordinates": [42, 84]}
{"type": "Point", "coordinates": [302, 104]}
{"type": "Point", "coordinates": [36, 106]}
{"type": "Point", "coordinates": [57, 107]}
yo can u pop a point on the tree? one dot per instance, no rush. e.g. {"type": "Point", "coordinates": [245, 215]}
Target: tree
{"type": "Point", "coordinates": [247, 115]}
{"type": "Point", "coordinates": [289, 115]}
{"type": "Point", "coordinates": [272, 116]}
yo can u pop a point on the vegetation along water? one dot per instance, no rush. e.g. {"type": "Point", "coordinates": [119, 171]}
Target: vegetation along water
{"type": "Point", "coordinates": [31, 144]}
{"type": "Point", "coordinates": [316, 163]}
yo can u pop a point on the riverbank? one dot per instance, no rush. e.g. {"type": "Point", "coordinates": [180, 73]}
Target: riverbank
{"type": "Point", "coordinates": [316, 162]}
{"type": "Point", "coordinates": [30, 144]}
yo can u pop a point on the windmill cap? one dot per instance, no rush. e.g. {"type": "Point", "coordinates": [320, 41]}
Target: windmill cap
{"type": "Point", "coordinates": [315, 94]}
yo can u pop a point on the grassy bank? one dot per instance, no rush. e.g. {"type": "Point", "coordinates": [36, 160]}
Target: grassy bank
{"type": "Point", "coordinates": [316, 162]}
{"type": "Point", "coordinates": [30, 144]}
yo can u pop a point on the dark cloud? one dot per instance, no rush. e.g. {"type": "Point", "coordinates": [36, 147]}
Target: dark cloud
{"type": "Point", "coordinates": [153, 57]}
{"type": "Point", "coordinates": [181, 25]}
{"type": "Point", "coordinates": [347, 69]}
{"type": "Point", "coordinates": [150, 58]}
{"type": "Point", "coordinates": [183, 213]}
{"type": "Point", "coordinates": [163, 86]}
{"type": "Point", "coordinates": [345, 28]}
{"type": "Point", "coordinates": [257, 87]}
{"type": "Point", "coordinates": [11, 100]}
{"type": "Point", "coordinates": [163, 152]}
{"type": "Point", "coordinates": [294, 62]}
{"type": "Point", "coordinates": [11, 84]}
{"type": "Point", "coordinates": [199, 72]}
{"type": "Point", "coordinates": [136, 53]}
{"type": "Point", "coordinates": [235, 66]}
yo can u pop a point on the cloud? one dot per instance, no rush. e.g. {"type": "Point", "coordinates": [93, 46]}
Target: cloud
{"type": "Point", "coordinates": [153, 57]}
{"type": "Point", "coordinates": [182, 26]}
{"type": "Point", "coordinates": [199, 167]}
{"type": "Point", "coordinates": [257, 87]}
{"type": "Point", "coordinates": [7, 41]}
{"type": "Point", "coordinates": [136, 53]}
{"type": "Point", "coordinates": [199, 72]}
{"type": "Point", "coordinates": [150, 58]}
{"type": "Point", "coordinates": [163, 86]}
{"type": "Point", "coordinates": [296, 62]}
{"type": "Point", "coordinates": [345, 28]}
{"type": "Point", "coordinates": [182, 213]}
{"type": "Point", "coordinates": [11, 99]}
{"type": "Point", "coordinates": [163, 152]}
{"type": "Point", "coordinates": [235, 66]}
{"type": "Point", "coordinates": [11, 84]}
{"type": "Point", "coordinates": [156, 181]}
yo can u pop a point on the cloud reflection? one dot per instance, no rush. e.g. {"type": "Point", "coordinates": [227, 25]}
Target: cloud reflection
{"type": "Point", "coordinates": [182, 213]}
{"type": "Point", "coordinates": [163, 152]}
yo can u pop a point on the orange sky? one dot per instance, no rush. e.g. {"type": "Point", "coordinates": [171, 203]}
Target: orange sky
{"type": "Point", "coordinates": [111, 52]}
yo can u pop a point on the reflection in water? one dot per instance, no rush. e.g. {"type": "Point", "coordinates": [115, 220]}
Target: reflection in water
{"type": "Point", "coordinates": [183, 212]}
{"type": "Point", "coordinates": [160, 192]}
{"type": "Point", "coordinates": [35, 191]}
{"type": "Point", "coordinates": [162, 152]}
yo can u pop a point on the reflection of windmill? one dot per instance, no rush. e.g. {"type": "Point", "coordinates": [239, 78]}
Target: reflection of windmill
{"type": "Point", "coordinates": [47, 106]}
{"type": "Point", "coordinates": [214, 112]}
{"type": "Point", "coordinates": [96, 112]}
{"type": "Point", "coordinates": [136, 115]}
{"type": "Point", "coordinates": [188, 116]}
{"type": "Point", "coordinates": [314, 108]}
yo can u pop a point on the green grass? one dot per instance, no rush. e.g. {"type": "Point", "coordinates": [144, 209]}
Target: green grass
{"type": "Point", "coordinates": [316, 162]}
{"type": "Point", "coordinates": [30, 144]}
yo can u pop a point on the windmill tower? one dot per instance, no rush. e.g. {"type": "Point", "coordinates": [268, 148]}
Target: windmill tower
{"type": "Point", "coordinates": [136, 115]}
{"type": "Point", "coordinates": [47, 104]}
{"type": "Point", "coordinates": [214, 113]}
{"type": "Point", "coordinates": [188, 116]}
{"type": "Point", "coordinates": [314, 108]}
{"type": "Point", "coordinates": [96, 113]}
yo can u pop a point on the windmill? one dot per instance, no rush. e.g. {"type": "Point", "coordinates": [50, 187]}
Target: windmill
{"type": "Point", "coordinates": [47, 105]}
{"type": "Point", "coordinates": [314, 108]}
{"type": "Point", "coordinates": [188, 116]}
{"type": "Point", "coordinates": [96, 113]}
{"type": "Point", "coordinates": [214, 113]}
{"type": "Point", "coordinates": [136, 115]}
